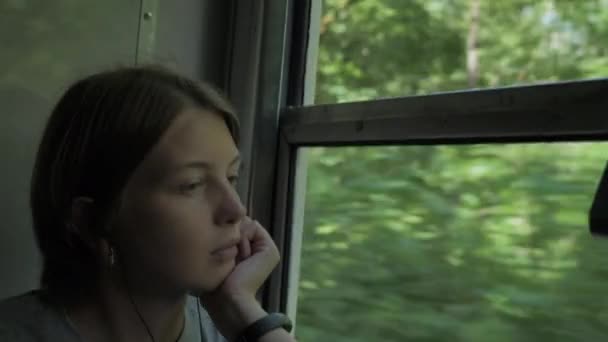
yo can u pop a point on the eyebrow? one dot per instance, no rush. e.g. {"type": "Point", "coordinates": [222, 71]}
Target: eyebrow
{"type": "Point", "coordinates": [200, 164]}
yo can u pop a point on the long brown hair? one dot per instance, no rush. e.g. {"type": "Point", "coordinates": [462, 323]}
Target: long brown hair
{"type": "Point", "coordinates": [99, 131]}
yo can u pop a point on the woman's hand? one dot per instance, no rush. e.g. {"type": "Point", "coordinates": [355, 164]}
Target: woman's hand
{"type": "Point", "coordinates": [233, 305]}
{"type": "Point", "coordinates": [258, 256]}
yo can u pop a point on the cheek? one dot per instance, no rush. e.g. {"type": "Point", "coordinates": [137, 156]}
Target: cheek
{"type": "Point", "coordinates": [172, 235]}
{"type": "Point", "coordinates": [188, 244]}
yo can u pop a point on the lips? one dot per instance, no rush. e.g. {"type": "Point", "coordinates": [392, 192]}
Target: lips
{"type": "Point", "coordinates": [227, 253]}
{"type": "Point", "coordinates": [227, 250]}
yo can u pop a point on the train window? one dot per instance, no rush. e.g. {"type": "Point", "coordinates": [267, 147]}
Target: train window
{"type": "Point", "coordinates": [433, 173]}
{"type": "Point", "coordinates": [383, 48]}
{"type": "Point", "coordinates": [418, 243]}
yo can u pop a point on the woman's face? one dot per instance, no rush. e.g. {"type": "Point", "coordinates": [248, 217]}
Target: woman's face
{"type": "Point", "coordinates": [180, 207]}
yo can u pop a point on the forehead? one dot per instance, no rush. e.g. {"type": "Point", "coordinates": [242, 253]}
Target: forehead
{"type": "Point", "coordinates": [197, 134]}
{"type": "Point", "coordinates": [194, 135]}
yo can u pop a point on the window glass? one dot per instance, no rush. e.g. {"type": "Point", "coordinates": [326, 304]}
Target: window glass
{"type": "Point", "coordinates": [371, 49]}
{"type": "Point", "coordinates": [459, 243]}
{"type": "Point", "coordinates": [44, 46]}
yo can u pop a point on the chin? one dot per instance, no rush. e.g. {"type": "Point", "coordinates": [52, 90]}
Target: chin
{"type": "Point", "coordinates": [211, 279]}
{"type": "Point", "coordinates": [204, 287]}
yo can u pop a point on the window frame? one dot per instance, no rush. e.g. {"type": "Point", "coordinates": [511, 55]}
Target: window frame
{"type": "Point", "coordinates": [268, 43]}
{"type": "Point", "coordinates": [275, 46]}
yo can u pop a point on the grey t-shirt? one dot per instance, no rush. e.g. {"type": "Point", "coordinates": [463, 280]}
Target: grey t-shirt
{"type": "Point", "coordinates": [27, 318]}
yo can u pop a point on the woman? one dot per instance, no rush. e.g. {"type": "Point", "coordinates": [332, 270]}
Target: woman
{"type": "Point", "coordinates": [138, 222]}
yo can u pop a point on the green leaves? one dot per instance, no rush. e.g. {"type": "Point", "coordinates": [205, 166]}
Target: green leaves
{"type": "Point", "coordinates": [426, 243]}
{"type": "Point", "coordinates": [385, 48]}
{"type": "Point", "coordinates": [467, 243]}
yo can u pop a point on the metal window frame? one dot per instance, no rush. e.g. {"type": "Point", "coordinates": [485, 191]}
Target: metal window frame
{"type": "Point", "coordinates": [146, 32]}
{"type": "Point", "coordinates": [563, 111]}
{"type": "Point", "coordinates": [273, 76]}
{"type": "Point", "coordinates": [566, 111]}
{"type": "Point", "coordinates": [268, 43]}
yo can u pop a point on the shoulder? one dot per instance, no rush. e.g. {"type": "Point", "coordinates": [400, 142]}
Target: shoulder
{"type": "Point", "coordinates": [198, 318]}
{"type": "Point", "coordinates": [27, 318]}
{"type": "Point", "coordinates": [16, 314]}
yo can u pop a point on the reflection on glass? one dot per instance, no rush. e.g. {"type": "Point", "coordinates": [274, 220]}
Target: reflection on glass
{"type": "Point", "coordinates": [384, 48]}
{"type": "Point", "coordinates": [459, 243]}
{"type": "Point", "coordinates": [44, 46]}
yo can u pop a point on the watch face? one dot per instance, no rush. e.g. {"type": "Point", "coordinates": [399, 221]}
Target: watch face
{"type": "Point", "coordinates": [598, 217]}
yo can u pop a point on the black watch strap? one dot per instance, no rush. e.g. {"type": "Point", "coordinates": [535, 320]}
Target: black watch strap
{"type": "Point", "coordinates": [265, 324]}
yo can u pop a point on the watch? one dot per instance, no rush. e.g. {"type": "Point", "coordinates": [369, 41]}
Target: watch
{"type": "Point", "coordinates": [265, 324]}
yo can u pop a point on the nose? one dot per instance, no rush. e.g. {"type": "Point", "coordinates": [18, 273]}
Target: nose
{"type": "Point", "coordinates": [231, 210]}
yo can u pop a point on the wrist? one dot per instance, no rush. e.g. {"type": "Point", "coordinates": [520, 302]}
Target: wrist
{"type": "Point", "coordinates": [275, 325]}
{"type": "Point", "coordinates": [249, 311]}
{"type": "Point", "coordinates": [246, 311]}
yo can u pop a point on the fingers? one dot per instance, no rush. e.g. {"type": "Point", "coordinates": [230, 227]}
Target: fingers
{"type": "Point", "coordinates": [247, 232]}
{"type": "Point", "coordinates": [244, 248]}
{"type": "Point", "coordinates": [258, 239]}
{"type": "Point", "coordinates": [258, 257]}
{"type": "Point", "coordinates": [263, 242]}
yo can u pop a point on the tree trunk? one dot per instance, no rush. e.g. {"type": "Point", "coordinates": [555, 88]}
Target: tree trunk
{"type": "Point", "coordinates": [472, 42]}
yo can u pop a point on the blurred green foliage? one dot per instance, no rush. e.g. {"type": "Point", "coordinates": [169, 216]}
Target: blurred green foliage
{"type": "Point", "coordinates": [383, 48]}
{"type": "Point", "coordinates": [453, 243]}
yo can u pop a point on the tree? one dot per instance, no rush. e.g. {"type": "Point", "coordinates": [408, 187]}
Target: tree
{"type": "Point", "coordinates": [458, 243]}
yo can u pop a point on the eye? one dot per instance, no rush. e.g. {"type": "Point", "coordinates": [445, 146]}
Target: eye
{"type": "Point", "coordinates": [190, 187]}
